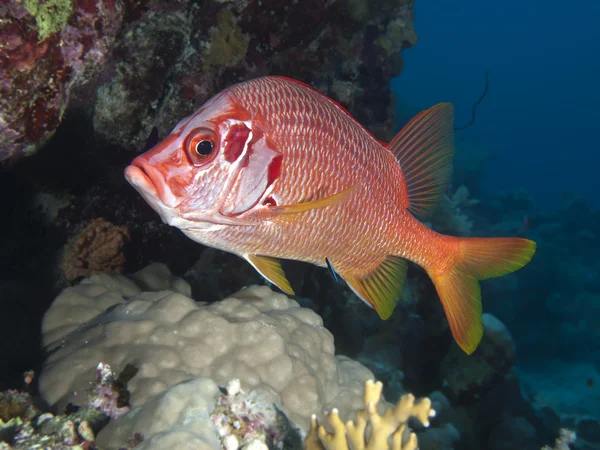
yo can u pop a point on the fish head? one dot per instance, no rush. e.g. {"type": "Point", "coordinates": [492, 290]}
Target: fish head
{"type": "Point", "coordinates": [215, 165]}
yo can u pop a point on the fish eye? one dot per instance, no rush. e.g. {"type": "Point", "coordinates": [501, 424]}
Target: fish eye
{"type": "Point", "coordinates": [200, 146]}
{"type": "Point", "coordinates": [204, 148]}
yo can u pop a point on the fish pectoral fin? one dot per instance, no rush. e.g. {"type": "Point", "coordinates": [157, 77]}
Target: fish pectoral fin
{"type": "Point", "coordinates": [314, 204]}
{"type": "Point", "coordinates": [281, 211]}
{"type": "Point", "coordinates": [382, 288]}
{"type": "Point", "coordinates": [270, 268]}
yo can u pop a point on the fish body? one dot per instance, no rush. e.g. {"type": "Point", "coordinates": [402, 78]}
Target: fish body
{"type": "Point", "coordinates": [271, 169]}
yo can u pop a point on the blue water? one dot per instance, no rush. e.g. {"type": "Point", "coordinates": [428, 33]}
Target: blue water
{"type": "Point", "coordinates": [540, 117]}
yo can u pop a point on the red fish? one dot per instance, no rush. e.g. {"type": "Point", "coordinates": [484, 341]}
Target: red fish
{"type": "Point", "coordinates": [271, 169]}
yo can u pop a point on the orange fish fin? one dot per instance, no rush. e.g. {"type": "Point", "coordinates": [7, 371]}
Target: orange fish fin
{"type": "Point", "coordinates": [461, 298]}
{"type": "Point", "coordinates": [493, 257]}
{"type": "Point", "coordinates": [479, 258]}
{"type": "Point", "coordinates": [382, 288]}
{"type": "Point", "coordinates": [425, 148]}
{"type": "Point", "coordinates": [270, 268]}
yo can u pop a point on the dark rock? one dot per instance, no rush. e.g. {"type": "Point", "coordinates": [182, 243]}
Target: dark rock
{"type": "Point", "coordinates": [467, 377]}
{"type": "Point", "coordinates": [589, 429]}
{"type": "Point", "coordinates": [511, 434]}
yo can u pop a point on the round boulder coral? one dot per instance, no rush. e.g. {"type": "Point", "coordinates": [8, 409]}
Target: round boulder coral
{"type": "Point", "coordinates": [266, 340]}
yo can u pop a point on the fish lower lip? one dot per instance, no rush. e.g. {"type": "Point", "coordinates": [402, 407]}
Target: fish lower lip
{"type": "Point", "coordinates": [138, 178]}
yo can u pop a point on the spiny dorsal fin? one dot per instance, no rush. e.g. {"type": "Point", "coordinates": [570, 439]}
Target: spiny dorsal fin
{"type": "Point", "coordinates": [270, 268]}
{"type": "Point", "coordinates": [425, 148]}
{"type": "Point", "coordinates": [382, 288]}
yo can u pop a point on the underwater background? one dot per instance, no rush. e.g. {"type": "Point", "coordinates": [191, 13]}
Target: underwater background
{"type": "Point", "coordinates": [539, 119]}
{"type": "Point", "coordinates": [88, 85]}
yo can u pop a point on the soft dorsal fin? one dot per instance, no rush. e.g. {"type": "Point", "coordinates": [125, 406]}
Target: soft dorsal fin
{"type": "Point", "coordinates": [381, 289]}
{"type": "Point", "coordinates": [270, 268]}
{"type": "Point", "coordinates": [425, 148]}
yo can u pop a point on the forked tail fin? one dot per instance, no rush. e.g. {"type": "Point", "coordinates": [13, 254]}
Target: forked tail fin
{"type": "Point", "coordinates": [458, 289]}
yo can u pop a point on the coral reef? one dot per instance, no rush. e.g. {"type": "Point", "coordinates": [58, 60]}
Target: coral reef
{"type": "Point", "coordinates": [98, 248]}
{"type": "Point", "coordinates": [481, 372]}
{"type": "Point", "coordinates": [197, 412]}
{"type": "Point", "coordinates": [111, 395]}
{"type": "Point", "coordinates": [245, 420]}
{"type": "Point", "coordinates": [176, 418]}
{"type": "Point", "coordinates": [258, 340]}
{"type": "Point", "coordinates": [450, 217]}
{"type": "Point", "coordinates": [391, 425]}
{"type": "Point", "coordinates": [562, 442]}
{"type": "Point", "coordinates": [50, 16]}
{"type": "Point", "coordinates": [25, 424]}
{"type": "Point", "coordinates": [263, 338]}
{"type": "Point", "coordinates": [170, 60]}
{"type": "Point", "coordinates": [48, 49]}
{"type": "Point", "coordinates": [228, 45]}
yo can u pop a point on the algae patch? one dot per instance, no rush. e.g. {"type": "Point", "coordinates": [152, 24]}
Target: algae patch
{"type": "Point", "coordinates": [228, 46]}
{"type": "Point", "coordinates": [50, 16]}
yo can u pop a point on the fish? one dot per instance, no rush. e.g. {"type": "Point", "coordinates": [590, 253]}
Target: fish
{"type": "Point", "coordinates": [271, 169]}
{"type": "Point", "coordinates": [331, 270]}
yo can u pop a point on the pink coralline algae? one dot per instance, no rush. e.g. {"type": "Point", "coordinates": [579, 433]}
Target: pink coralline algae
{"type": "Point", "coordinates": [41, 66]}
{"type": "Point", "coordinates": [111, 396]}
{"type": "Point", "coordinates": [148, 64]}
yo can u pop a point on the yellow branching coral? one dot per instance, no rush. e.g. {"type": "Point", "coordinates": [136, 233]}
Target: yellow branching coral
{"type": "Point", "coordinates": [371, 431]}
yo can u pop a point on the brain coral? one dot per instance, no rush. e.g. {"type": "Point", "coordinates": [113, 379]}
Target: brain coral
{"type": "Point", "coordinates": [263, 338]}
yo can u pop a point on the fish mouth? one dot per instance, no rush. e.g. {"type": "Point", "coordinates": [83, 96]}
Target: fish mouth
{"type": "Point", "coordinates": [139, 179]}
{"type": "Point", "coordinates": [148, 181]}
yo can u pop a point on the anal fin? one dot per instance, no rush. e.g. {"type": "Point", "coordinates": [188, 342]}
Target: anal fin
{"type": "Point", "coordinates": [382, 288]}
{"type": "Point", "coordinates": [270, 268]}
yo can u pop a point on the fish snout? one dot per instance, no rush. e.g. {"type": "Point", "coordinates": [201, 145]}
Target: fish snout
{"type": "Point", "coordinates": [149, 181]}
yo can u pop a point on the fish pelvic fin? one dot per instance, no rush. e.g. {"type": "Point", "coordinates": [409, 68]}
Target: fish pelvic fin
{"type": "Point", "coordinates": [425, 149]}
{"type": "Point", "coordinates": [382, 288]}
{"type": "Point", "coordinates": [458, 289]}
{"type": "Point", "coordinates": [271, 269]}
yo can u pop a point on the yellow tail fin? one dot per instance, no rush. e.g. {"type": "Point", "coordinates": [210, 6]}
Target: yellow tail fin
{"type": "Point", "coordinates": [458, 289]}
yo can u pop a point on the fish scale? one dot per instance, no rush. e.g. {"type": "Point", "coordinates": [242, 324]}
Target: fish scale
{"type": "Point", "coordinates": [360, 150]}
